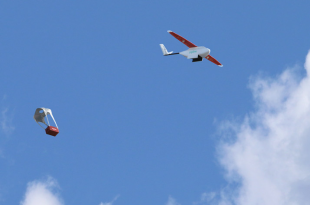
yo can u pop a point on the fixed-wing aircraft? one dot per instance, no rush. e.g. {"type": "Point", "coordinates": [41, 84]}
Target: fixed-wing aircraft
{"type": "Point", "coordinates": [196, 53]}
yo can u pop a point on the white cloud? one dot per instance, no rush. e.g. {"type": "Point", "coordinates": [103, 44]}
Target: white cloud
{"type": "Point", "coordinates": [42, 193]}
{"type": "Point", "coordinates": [46, 193]}
{"type": "Point", "coordinates": [172, 201]}
{"type": "Point", "coordinates": [111, 202]}
{"type": "Point", "coordinates": [267, 155]}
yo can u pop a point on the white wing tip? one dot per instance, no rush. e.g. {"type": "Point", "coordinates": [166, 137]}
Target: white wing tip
{"type": "Point", "coordinates": [169, 31]}
{"type": "Point", "coordinates": [221, 65]}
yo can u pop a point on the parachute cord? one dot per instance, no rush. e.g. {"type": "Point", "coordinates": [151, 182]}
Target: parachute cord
{"type": "Point", "coordinates": [54, 120]}
{"type": "Point", "coordinates": [40, 125]}
{"type": "Point", "coordinates": [48, 121]}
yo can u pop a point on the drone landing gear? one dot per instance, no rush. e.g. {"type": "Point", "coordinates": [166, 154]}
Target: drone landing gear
{"type": "Point", "coordinates": [197, 59]}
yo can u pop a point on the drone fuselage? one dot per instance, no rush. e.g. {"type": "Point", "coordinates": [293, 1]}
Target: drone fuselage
{"type": "Point", "coordinates": [196, 53]}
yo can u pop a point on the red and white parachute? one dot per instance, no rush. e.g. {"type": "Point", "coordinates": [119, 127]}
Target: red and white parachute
{"type": "Point", "coordinates": [39, 116]}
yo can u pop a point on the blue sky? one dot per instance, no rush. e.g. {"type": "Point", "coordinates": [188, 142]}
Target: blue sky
{"type": "Point", "coordinates": [133, 123]}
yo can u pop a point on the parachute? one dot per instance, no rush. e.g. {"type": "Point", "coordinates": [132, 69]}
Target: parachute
{"type": "Point", "coordinates": [39, 116]}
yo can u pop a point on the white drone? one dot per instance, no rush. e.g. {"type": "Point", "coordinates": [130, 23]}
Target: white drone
{"type": "Point", "coordinates": [196, 53]}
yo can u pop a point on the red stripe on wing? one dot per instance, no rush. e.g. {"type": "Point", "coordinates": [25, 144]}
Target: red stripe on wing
{"type": "Point", "coordinates": [213, 60]}
{"type": "Point", "coordinates": [183, 40]}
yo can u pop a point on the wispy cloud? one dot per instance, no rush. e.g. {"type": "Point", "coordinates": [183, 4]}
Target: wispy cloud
{"type": "Point", "coordinates": [6, 119]}
{"type": "Point", "coordinates": [111, 202]}
{"type": "Point", "coordinates": [42, 193]}
{"type": "Point", "coordinates": [6, 126]}
{"type": "Point", "coordinates": [206, 198]}
{"type": "Point", "coordinates": [172, 201]}
{"type": "Point", "coordinates": [267, 156]}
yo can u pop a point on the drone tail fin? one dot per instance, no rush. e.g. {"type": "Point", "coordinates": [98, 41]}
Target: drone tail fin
{"type": "Point", "coordinates": [164, 50]}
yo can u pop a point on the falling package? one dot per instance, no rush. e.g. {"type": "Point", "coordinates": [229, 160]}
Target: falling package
{"type": "Point", "coordinates": [39, 116]}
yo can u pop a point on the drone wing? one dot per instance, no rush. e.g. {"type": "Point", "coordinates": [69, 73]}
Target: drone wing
{"type": "Point", "coordinates": [213, 60]}
{"type": "Point", "coordinates": [183, 40]}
